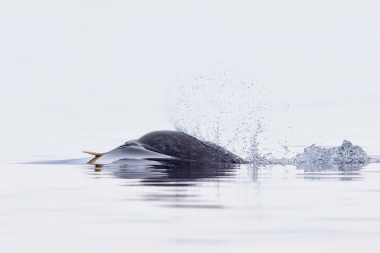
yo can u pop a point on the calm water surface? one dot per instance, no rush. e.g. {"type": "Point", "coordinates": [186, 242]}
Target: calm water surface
{"type": "Point", "coordinates": [76, 208]}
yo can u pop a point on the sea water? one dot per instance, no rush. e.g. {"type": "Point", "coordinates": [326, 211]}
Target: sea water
{"type": "Point", "coordinates": [136, 208]}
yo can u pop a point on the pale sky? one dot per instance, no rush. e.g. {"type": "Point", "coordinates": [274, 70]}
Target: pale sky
{"type": "Point", "coordinates": [71, 70]}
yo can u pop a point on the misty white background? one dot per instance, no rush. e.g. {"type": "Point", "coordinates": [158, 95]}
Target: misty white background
{"type": "Point", "coordinates": [77, 75]}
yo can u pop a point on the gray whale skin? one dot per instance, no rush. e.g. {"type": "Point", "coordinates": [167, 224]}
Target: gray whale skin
{"type": "Point", "coordinates": [168, 145]}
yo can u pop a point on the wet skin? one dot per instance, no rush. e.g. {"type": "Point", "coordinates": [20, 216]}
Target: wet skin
{"type": "Point", "coordinates": [169, 145]}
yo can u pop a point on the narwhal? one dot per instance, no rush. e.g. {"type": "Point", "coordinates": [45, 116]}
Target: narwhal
{"type": "Point", "coordinates": [168, 145]}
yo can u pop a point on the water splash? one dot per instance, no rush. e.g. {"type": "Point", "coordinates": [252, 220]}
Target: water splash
{"type": "Point", "coordinates": [230, 109]}
{"type": "Point", "coordinates": [344, 156]}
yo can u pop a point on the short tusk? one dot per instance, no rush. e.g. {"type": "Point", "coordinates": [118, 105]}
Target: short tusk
{"type": "Point", "coordinates": [96, 154]}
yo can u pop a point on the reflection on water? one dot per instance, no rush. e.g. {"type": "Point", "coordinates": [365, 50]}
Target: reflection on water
{"type": "Point", "coordinates": [176, 176]}
{"type": "Point", "coordinates": [345, 172]}
{"type": "Point", "coordinates": [175, 170]}
{"type": "Point", "coordinates": [166, 172]}
{"type": "Point", "coordinates": [145, 205]}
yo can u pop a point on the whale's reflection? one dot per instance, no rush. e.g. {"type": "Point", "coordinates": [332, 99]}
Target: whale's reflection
{"type": "Point", "coordinates": [151, 171]}
{"type": "Point", "coordinates": [174, 183]}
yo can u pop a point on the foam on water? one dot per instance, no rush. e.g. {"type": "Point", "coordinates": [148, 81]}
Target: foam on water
{"type": "Point", "coordinates": [344, 154]}
{"type": "Point", "coordinates": [344, 157]}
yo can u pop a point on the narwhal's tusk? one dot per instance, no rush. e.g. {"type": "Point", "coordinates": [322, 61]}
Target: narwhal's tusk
{"type": "Point", "coordinates": [96, 154]}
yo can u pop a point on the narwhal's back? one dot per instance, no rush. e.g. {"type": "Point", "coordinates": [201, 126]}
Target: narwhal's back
{"type": "Point", "coordinates": [186, 147]}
